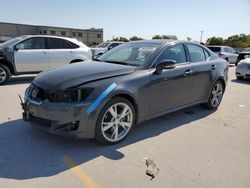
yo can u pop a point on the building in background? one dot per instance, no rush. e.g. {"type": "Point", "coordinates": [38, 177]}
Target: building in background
{"type": "Point", "coordinates": [87, 36]}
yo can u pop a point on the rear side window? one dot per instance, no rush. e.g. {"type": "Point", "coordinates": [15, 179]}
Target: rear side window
{"type": "Point", "coordinates": [196, 53]}
{"type": "Point", "coordinates": [215, 49]}
{"type": "Point", "coordinates": [34, 43]}
{"type": "Point", "coordinates": [72, 45]}
{"type": "Point", "coordinates": [175, 52]}
{"type": "Point", "coordinates": [55, 43]}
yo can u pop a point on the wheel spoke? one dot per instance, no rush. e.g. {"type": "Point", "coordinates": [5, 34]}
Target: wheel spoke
{"type": "Point", "coordinates": [124, 112]}
{"type": "Point", "coordinates": [113, 111]}
{"type": "Point", "coordinates": [216, 101]}
{"type": "Point", "coordinates": [114, 135]}
{"type": "Point", "coordinates": [107, 126]}
{"type": "Point", "coordinates": [124, 125]}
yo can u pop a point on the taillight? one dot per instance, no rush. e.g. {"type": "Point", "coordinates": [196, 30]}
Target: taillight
{"type": "Point", "coordinates": [221, 54]}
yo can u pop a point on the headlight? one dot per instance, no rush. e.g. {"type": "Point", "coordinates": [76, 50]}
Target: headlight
{"type": "Point", "coordinates": [70, 95]}
{"type": "Point", "coordinates": [27, 92]}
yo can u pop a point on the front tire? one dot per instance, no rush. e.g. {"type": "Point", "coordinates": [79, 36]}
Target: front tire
{"type": "Point", "coordinates": [4, 74]}
{"type": "Point", "coordinates": [215, 96]}
{"type": "Point", "coordinates": [115, 121]}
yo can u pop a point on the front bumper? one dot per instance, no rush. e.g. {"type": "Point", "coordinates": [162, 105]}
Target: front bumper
{"type": "Point", "coordinates": [70, 120]}
{"type": "Point", "coordinates": [243, 71]}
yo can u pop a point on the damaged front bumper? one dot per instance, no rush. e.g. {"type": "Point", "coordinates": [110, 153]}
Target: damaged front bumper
{"type": "Point", "coordinates": [70, 120]}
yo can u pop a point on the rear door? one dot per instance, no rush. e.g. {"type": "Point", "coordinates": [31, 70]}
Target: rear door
{"type": "Point", "coordinates": [205, 70]}
{"type": "Point", "coordinates": [59, 52]}
{"type": "Point", "coordinates": [32, 57]}
{"type": "Point", "coordinates": [172, 88]}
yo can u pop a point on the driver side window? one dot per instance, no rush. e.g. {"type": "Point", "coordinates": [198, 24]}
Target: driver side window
{"type": "Point", "coordinates": [175, 52]}
{"type": "Point", "coordinates": [33, 43]}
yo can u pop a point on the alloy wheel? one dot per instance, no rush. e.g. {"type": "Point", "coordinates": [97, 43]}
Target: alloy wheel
{"type": "Point", "coordinates": [117, 122]}
{"type": "Point", "coordinates": [217, 94]}
{"type": "Point", "coordinates": [3, 75]}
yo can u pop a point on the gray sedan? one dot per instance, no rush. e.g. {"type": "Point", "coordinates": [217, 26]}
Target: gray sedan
{"type": "Point", "coordinates": [132, 83]}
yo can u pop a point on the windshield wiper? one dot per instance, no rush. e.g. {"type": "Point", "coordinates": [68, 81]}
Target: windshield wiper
{"type": "Point", "coordinates": [120, 62]}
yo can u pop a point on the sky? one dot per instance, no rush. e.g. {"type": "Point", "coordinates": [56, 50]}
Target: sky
{"type": "Point", "coordinates": [143, 18]}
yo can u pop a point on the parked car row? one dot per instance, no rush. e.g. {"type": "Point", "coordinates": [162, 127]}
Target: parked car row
{"type": "Point", "coordinates": [104, 47]}
{"type": "Point", "coordinates": [36, 53]}
{"type": "Point", "coordinates": [229, 54]}
{"type": "Point", "coordinates": [225, 52]}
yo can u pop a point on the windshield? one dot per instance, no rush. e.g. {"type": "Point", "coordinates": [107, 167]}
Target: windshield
{"type": "Point", "coordinates": [129, 54]}
{"type": "Point", "coordinates": [13, 41]}
{"type": "Point", "coordinates": [103, 45]}
{"type": "Point", "coordinates": [247, 49]}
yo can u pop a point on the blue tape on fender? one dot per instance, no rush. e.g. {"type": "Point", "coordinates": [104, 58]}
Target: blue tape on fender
{"type": "Point", "coordinates": [104, 94]}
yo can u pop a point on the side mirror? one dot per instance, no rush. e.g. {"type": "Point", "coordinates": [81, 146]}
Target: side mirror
{"type": "Point", "coordinates": [19, 47]}
{"type": "Point", "coordinates": [165, 64]}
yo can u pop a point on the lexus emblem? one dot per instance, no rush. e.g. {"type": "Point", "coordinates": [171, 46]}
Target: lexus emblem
{"type": "Point", "coordinates": [34, 93]}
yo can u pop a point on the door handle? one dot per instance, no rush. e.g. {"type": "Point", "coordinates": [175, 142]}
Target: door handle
{"type": "Point", "coordinates": [43, 52]}
{"type": "Point", "coordinates": [188, 72]}
{"type": "Point", "coordinates": [213, 67]}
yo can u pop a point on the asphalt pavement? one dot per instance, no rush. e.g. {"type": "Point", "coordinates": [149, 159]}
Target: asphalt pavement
{"type": "Point", "coordinates": [192, 148]}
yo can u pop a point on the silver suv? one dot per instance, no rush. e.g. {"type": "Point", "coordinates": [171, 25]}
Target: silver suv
{"type": "Point", "coordinates": [36, 53]}
{"type": "Point", "coordinates": [225, 52]}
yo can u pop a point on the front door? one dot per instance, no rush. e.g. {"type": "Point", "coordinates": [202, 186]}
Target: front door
{"type": "Point", "coordinates": [32, 57]}
{"type": "Point", "coordinates": [172, 88]}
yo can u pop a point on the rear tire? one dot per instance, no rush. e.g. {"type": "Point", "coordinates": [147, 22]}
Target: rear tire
{"type": "Point", "coordinates": [215, 97]}
{"type": "Point", "coordinates": [4, 74]}
{"type": "Point", "coordinates": [115, 121]}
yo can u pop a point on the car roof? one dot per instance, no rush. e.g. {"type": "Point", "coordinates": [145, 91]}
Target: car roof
{"type": "Point", "coordinates": [74, 40]}
{"type": "Point", "coordinates": [219, 46]}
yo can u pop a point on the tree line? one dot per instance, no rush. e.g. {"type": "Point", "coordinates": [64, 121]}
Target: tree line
{"type": "Point", "coordinates": [135, 38]}
{"type": "Point", "coordinates": [240, 41]}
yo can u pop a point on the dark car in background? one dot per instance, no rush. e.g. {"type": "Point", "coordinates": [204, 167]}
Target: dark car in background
{"type": "Point", "coordinates": [132, 83]}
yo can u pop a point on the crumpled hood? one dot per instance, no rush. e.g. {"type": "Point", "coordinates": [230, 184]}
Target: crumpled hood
{"type": "Point", "coordinates": [79, 73]}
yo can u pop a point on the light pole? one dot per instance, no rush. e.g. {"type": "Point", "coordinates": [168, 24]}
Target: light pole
{"type": "Point", "coordinates": [201, 36]}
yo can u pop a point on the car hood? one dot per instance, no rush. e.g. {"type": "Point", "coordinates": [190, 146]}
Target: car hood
{"type": "Point", "coordinates": [246, 61]}
{"type": "Point", "coordinates": [79, 73]}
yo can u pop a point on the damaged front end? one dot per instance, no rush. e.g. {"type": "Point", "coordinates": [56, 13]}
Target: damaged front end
{"type": "Point", "coordinates": [60, 112]}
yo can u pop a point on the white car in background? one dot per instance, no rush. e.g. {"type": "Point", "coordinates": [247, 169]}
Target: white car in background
{"type": "Point", "coordinates": [35, 53]}
{"type": "Point", "coordinates": [243, 68]}
{"type": "Point", "coordinates": [104, 47]}
{"type": "Point", "coordinates": [225, 52]}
